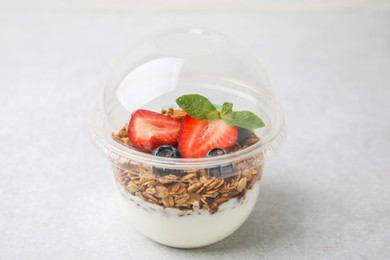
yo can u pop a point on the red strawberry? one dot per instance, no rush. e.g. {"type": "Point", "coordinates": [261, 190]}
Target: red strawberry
{"type": "Point", "coordinates": [148, 130]}
{"type": "Point", "coordinates": [199, 136]}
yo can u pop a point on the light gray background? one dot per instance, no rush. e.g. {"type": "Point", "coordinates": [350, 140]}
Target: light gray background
{"type": "Point", "coordinates": [325, 194]}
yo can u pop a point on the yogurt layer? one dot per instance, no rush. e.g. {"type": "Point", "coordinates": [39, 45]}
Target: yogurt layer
{"type": "Point", "coordinates": [188, 229]}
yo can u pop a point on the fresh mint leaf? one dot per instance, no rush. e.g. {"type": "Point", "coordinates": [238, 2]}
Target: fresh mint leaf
{"type": "Point", "coordinates": [197, 106]}
{"type": "Point", "coordinates": [244, 119]}
{"type": "Point", "coordinates": [227, 108]}
{"type": "Point", "coordinates": [200, 107]}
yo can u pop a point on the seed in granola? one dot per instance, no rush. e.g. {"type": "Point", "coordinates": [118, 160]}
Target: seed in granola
{"type": "Point", "coordinates": [149, 183]}
{"type": "Point", "coordinates": [224, 195]}
{"type": "Point", "coordinates": [151, 190]}
{"type": "Point", "coordinates": [220, 183]}
{"type": "Point", "coordinates": [195, 186]}
{"type": "Point", "coordinates": [132, 188]}
{"type": "Point", "coordinates": [182, 199]}
{"type": "Point", "coordinates": [182, 190]}
{"type": "Point", "coordinates": [211, 191]}
{"type": "Point", "coordinates": [247, 173]}
{"type": "Point", "coordinates": [161, 192]}
{"type": "Point", "coordinates": [168, 201]}
{"type": "Point", "coordinates": [201, 189]}
{"type": "Point", "coordinates": [224, 190]}
{"type": "Point", "coordinates": [189, 176]}
{"type": "Point", "coordinates": [204, 178]}
{"type": "Point", "coordinates": [241, 184]}
{"type": "Point", "coordinates": [149, 197]}
{"type": "Point", "coordinates": [233, 184]}
{"type": "Point", "coordinates": [191, 201]}
{"type": "Point", "coordinates": [211, 185]}
{"type": "Point", "coordinates": [174, 188]}
{"type": "Point", "coordinates": [207, 182]}
{"type": "Point", "coordinates": [168, 178]}
{"type": "Point", "coordinates": [183, 206]}
{"type": "Point", "coordinates": [219, 201]}
{"type": "Point", "coordinates": [211, 194]}
{"type": "Point", "coordinates": [194, 196]}
{"type": "Point", "coordinates": [146, 179]}
{"type": "Point", "coordinates": [203, 200]}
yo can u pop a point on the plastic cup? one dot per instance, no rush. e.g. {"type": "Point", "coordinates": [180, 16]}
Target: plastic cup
{"type": "Point", "coordinates": [194, 202]}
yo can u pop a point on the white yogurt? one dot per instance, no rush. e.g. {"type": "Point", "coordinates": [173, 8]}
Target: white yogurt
{"type": "Point", "coordinates": [188, 229]}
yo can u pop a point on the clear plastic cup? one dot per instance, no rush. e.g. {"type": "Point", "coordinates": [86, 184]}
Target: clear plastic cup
{"type": "Point", "coordinates": [197, 201]}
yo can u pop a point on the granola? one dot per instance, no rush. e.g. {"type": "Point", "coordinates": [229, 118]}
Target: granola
{"type": "Point", "coordinates": [191, 189]}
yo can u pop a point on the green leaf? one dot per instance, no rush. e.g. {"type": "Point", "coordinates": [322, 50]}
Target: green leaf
{"type": "Point", "coordinates": [197, 106]}
{"type": "Point", "coordinates": [244, 119]}
{"type": "Point", "coordinates": [226, 108]}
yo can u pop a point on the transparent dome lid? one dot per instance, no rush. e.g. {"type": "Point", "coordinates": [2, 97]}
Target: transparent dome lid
{"type": "Point", "coordinates": [153, 73]}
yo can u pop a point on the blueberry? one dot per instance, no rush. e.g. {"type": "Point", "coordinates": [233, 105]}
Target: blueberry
{"type": "Point", "coordinates": [166, 151]}
{"type": "Point", "coordinates": [243, 134]}
{"type": "Point", "coordinates": [220, 170]}
{"type": "Point", "coordinates": [215, 152]}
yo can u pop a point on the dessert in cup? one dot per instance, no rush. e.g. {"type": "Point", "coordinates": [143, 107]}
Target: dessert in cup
{"type": "Point", "coordinates": [187, 135]}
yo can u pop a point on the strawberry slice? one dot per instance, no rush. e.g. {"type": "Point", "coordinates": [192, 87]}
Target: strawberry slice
{"type": "Point", "coordinates": [197, 137]}
{"type": "Point", "coordinates": [148, 130]}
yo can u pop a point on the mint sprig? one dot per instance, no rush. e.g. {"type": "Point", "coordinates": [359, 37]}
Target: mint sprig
{"type": "Point", "coordinates": [200, 107]}
{"type": "Point", "coordinates": [197, 106]}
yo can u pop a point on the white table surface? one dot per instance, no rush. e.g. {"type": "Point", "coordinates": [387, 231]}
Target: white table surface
{"type": "Point", "coordinates": [324, 195]}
